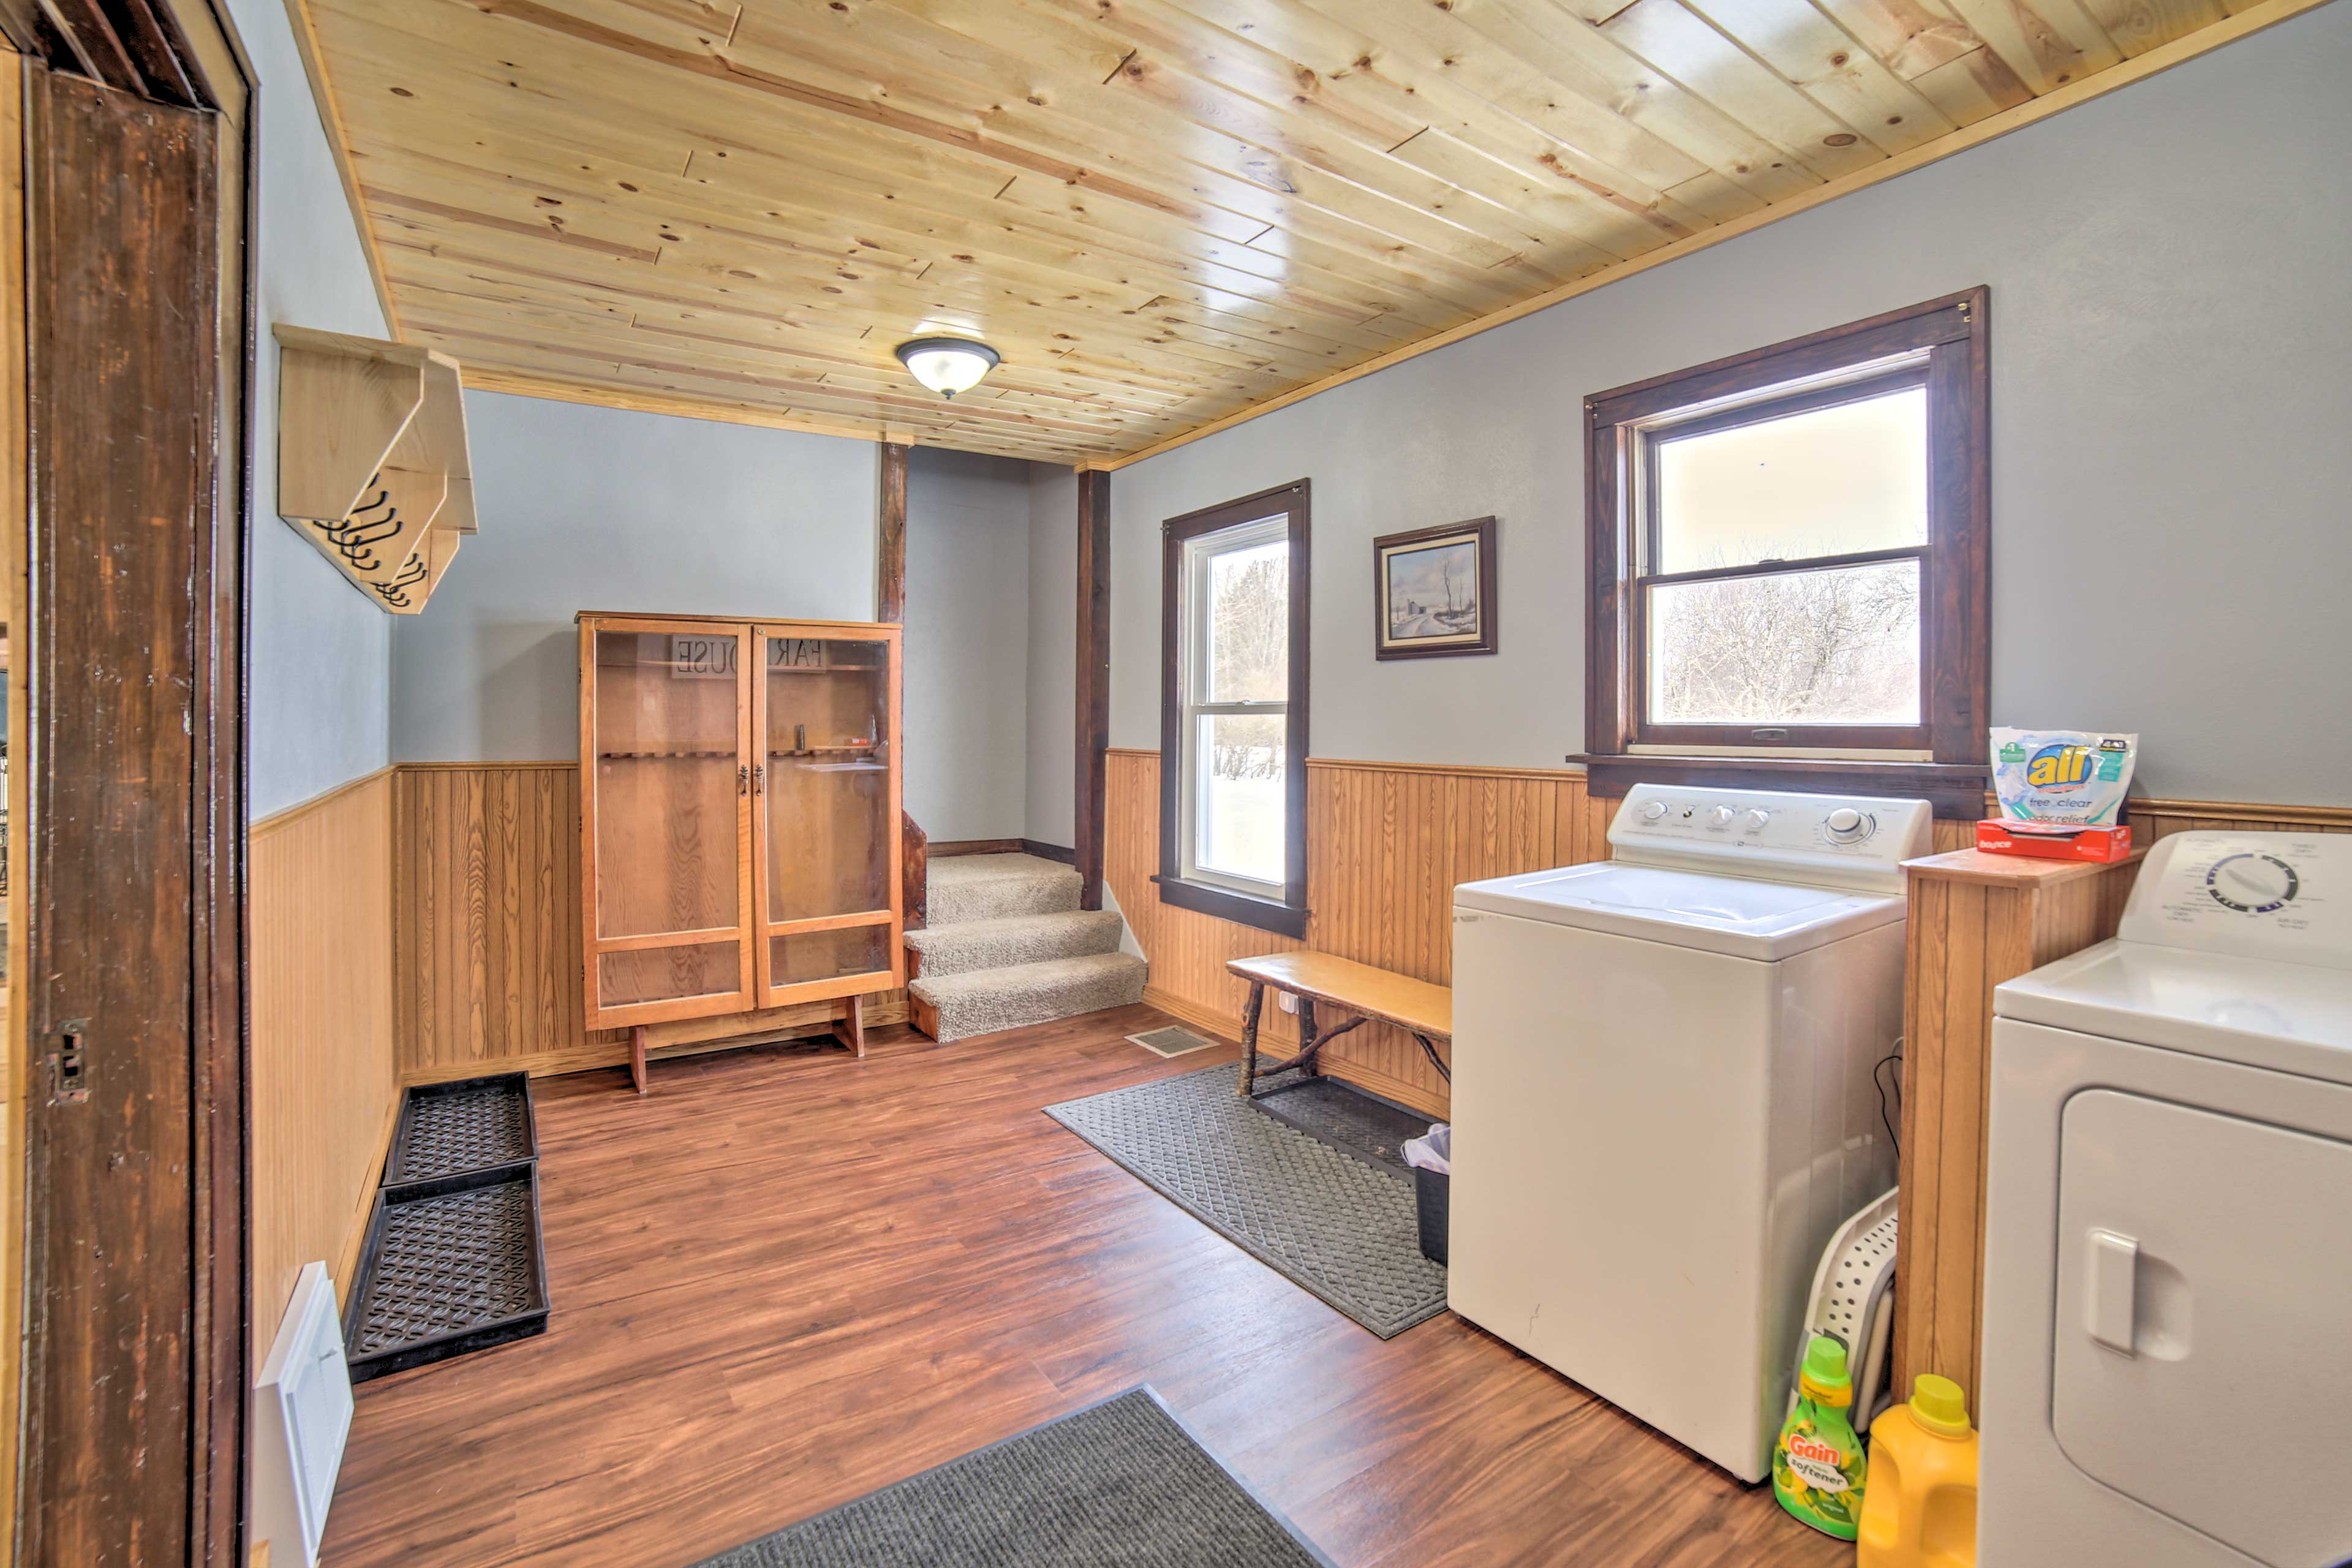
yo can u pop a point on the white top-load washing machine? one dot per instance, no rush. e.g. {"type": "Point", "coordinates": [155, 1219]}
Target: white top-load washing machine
{"type": "Point", "coordinates": [2166, 1379]}
{"type": "Point", "coordinates": [1663, 1099]}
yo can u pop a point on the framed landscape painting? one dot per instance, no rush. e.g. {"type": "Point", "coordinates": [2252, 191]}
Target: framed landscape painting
{"type": "Point", "coordinates": [1435, 590]}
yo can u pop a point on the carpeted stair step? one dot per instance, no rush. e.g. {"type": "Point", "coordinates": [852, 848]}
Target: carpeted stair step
{"type": "Point", "coordinates": [968, 945]}
{"type": "Point", "coordinates": [992, 886]}
{"type": "Point", "coordinates": [987, 1000]}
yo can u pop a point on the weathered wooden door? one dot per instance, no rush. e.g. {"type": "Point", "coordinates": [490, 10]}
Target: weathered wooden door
{"type": "Point", "coordinates": [133, 1374]}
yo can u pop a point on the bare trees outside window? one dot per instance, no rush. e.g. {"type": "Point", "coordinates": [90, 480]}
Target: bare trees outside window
{"type": "Point", "coordinates": [1788, 561]}
{"type": "Point", "coordinates": [1232, 721]}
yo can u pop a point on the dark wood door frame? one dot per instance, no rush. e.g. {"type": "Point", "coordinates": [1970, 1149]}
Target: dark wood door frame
{"type": "Point", "coordinates": [1094, 683]}
{"type": "Point", "coordinates": [137, 210]}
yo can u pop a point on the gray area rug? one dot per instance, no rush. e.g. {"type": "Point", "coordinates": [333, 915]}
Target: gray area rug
{"type": "Point", "coordinates": [1120, 1483]}
{"type": "Point", "coordinates": [1337, 1225]}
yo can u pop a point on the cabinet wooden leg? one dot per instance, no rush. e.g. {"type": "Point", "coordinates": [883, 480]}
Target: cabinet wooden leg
{"type": "Point", "coordinates": [1251, 1006]}
{"type": "Point", "coordinates": [850, 1028]}
{"type": "Point", "coordinates": [637, 1057]}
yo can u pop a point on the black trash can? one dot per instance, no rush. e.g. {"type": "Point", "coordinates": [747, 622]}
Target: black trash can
{"type": "Point", "coordinates": [1429, 1190]}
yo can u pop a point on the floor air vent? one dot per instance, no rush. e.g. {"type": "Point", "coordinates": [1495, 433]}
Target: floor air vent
{"type": "Point", "coordinates": [1172, 1041]}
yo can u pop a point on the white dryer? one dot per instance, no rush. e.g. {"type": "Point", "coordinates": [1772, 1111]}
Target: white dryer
{"type": "Point", "coordinates": [2167, 1378]}
{"type": "Point", "coordinates": [1663, 1096]}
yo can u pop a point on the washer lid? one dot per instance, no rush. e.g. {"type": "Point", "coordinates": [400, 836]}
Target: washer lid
{"type": "Point", "coordinates": [1740, 916]}
{"type": "Point", "coordinates": [2290, 1017]}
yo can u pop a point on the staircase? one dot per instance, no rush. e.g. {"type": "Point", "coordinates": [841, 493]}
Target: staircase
{"type": "Point", "coordinates": [1007, 945]}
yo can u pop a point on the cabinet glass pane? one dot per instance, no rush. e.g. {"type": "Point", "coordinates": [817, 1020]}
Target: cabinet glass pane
{"type": "Point", "coordinates": [828, 954]}
{"type": "Point", "coordinates": [827, 791]}
{"type": "Point", "coordinates": [666, 855]}
{"type": "Point", "coordinates": [668, 974]}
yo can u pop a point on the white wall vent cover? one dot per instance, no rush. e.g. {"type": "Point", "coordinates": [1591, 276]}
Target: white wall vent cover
{"type": "Point", "coordinates": [302, 1414]}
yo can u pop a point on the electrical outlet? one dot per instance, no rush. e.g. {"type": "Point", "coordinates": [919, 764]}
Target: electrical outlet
{"type": "Point", "coordinates": [1285, 1001]}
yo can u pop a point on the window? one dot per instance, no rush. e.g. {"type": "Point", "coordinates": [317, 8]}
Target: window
{"type": "Point", "coordinates": [1789, 563]}
{"type": "Point", "coordinates": [1232, 761]}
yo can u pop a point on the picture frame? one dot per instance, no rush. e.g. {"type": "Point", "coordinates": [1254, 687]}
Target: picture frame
{"type": "Point", "coordinates": [1433, 591]}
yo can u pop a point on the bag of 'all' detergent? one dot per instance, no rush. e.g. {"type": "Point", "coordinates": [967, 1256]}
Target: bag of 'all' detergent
{"type": "Point", "coordinates": [2064, 778]}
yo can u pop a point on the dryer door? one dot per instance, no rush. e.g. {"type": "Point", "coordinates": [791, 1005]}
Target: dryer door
{"type": "Point", "coordinates": [2200, 1360]}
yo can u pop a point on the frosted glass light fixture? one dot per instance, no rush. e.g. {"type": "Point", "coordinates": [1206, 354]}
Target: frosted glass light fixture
{"type": "Point", "coordinates": [947, 365]}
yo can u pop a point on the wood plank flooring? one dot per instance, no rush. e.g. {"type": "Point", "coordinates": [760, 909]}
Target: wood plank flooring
{"type": "Point", "coordinates": [787, 1278]}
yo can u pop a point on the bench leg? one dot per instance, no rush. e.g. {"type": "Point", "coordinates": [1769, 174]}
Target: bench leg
{"type": "Point", "coordinates": [1250, 1010]}
{"type": "Point", "coordinates": [1309, 1042]}
{"type": "Point", "coordinates": [1434, 1060]}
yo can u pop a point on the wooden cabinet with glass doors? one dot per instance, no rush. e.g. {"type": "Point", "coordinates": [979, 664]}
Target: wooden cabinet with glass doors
{"type": "Point", "coordinates": [739, 818]}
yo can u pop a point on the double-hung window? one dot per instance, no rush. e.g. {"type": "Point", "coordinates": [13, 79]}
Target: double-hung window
{"type": "Point", "coordinates": [1233, 710]}
{"type": "Point", "coordinates": [1788, 563]}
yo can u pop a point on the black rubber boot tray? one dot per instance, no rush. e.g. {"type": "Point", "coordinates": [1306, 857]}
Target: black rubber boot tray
{"type": "Point", "coordinates": [471, 1124]}
{"type": "Point", "coordinates": [451, 1265]}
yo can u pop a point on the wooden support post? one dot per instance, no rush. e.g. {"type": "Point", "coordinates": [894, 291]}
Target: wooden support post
{"type": "Point", "coordinates": [1094, 683]}
{"type": "Point", "coordinates": [890, 558]}
{"type": "Point", "coordinates": [890, 606]}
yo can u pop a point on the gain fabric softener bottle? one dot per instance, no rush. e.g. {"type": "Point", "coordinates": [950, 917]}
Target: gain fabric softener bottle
{"type": "Point", "coordinates": [1818, 1465]}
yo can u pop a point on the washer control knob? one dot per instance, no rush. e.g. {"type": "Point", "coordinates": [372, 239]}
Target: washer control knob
{"type": "Point", "coordinates": [1757, 819]}
{"type": "Point", "coordinates": [1654, 812]}
{"type": "Point", "coordinates": [1847, 825]}
{"type": "Point", "coordinates": [1720, 817]}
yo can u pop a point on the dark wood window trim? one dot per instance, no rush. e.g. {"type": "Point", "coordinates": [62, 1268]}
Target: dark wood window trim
{"type": "Point", "coordinates": [1941, 345]}
{"type": "Point", "coordinates": [1286, 916]}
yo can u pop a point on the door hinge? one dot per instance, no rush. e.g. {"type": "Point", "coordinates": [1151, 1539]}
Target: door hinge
{"type": "Point", "coordinates": [69, 1064]}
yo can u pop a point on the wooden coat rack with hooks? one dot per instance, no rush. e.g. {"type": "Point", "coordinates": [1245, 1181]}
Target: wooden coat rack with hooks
{"type": "Point", "coordinates": [372, 459]}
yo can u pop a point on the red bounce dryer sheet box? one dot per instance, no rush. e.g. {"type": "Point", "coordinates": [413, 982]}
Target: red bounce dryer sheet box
{"type": "Point", "coordinates": [2001, 835]}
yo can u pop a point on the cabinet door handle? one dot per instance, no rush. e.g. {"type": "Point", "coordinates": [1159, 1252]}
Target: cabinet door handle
{"type": "Point", "coordinates": [744, 781]}
{"type": "Point", "coordinates": [2111, 1281]}
{"type": "Point", "coordinates": [760, 779]}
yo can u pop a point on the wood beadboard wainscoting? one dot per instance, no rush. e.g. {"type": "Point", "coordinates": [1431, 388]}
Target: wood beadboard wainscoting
{"type": "Point", "coordinates": [485, 897]}
{"type": "Point", "coordinates": [324, 1089]}
{"type": "Point", "coordinates": [1386, 844]}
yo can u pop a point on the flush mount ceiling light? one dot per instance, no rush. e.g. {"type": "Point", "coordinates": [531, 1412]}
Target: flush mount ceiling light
{"type": "Point", "coordinates": [947, 365]}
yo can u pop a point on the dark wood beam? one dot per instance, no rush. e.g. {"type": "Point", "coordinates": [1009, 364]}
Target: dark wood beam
{"type": "Point", "coordinates": [890, 561]}
{"type": "Point", "coordinates": [890, 606]}
{"type": "Point", "coordinates": [1094, 681]}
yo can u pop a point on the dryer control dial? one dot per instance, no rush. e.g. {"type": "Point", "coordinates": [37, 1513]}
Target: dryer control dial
{"type": "Point", "coordinates": [2253, 884]}
{"type": "Point", "coordinates": [1720, 817]}
{"type": "Point", "coordinates": [1654, 812]}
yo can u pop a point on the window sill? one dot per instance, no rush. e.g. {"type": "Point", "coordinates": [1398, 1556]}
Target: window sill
{"type": "Point", "coordinates": [1956, 790]}
{"type": "Point", "coordinates": [1265, 915]}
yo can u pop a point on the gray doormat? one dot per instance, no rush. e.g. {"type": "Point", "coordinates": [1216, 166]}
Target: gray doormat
{"type": "Point", "coordinates": [1345, 1117]}
{"type": "Point", "coordinates": [1120, 1483]}
{"type": "Point", "coordinates": [1335, 1225]}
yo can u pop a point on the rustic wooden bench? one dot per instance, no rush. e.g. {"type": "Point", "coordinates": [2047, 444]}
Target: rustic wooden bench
{"type": "Point", "coordinates": [1373, 995]}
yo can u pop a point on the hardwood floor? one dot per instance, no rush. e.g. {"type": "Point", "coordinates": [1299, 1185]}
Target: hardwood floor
{"type": "Point", "coordinates": [788, 1278]}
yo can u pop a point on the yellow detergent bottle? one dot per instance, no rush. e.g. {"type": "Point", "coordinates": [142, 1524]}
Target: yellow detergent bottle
{"type": "Point", "coordinates": [1922, 1507]}
{"type": "Point", "coordinates": [1817, 1466]}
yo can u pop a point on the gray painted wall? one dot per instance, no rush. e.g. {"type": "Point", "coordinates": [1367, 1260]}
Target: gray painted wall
{"type": "Point", "coordinates": [1053, 655]}
{"type": "Point", "coordinates": [601, 508]}
{"type": "Point", "coordinates": [2172, 373]}
{"type": "Point", "coordinates": [968, 606]}
{"type": "Point", "coordinates": [321, 654]}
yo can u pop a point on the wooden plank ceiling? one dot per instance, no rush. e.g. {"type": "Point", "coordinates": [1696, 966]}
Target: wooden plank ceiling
{"type": "Point", "coordinates": [1159, 211]}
